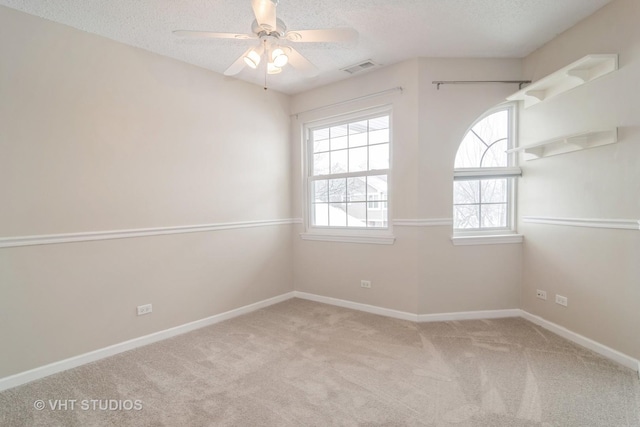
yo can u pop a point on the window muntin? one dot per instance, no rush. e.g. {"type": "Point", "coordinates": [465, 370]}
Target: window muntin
{"type": "Point", "coordinates": [349, 165]}
{"type": "Point", "coordinates": [485, 144]}
{"type": "Point", "coordinates": [481, 203]}
{"type": "Point", "coordinates": [483, 189]}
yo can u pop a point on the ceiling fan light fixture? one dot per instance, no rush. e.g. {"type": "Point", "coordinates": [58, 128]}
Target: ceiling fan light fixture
{"type": "Point", "coordinates": [273, 68]}
{"type": "Point", "coordinates": [252, 59]}
{"type": "Point", "coordinates": [279, 58]}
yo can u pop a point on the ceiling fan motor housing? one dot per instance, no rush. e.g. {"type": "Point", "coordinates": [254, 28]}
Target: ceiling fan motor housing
{"type": "Point", "coordinates": [259, 31]}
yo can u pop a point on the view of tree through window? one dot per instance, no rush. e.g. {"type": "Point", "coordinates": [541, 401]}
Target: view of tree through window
{"type": "Point", "coordinates": [349, 166]}
{"type": "Point", "coordinates": [481, 198]}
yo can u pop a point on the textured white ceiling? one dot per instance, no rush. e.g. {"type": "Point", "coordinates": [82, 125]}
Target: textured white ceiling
{"type": "Point", "coordinates": [389, 30]}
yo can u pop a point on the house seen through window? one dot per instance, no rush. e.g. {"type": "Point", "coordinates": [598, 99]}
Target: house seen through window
{"type": "Point", "coordinates": [348, 173]}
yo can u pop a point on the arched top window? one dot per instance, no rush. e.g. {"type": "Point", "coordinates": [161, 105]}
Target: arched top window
{"type": "Point", "coordinates": [484, 187]}
{"type": "Point", "coordinates": [486, 143]}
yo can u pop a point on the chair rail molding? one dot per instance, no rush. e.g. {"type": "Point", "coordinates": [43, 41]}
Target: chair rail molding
{"type": "Point", "coordinates": [49, 239]}
{"type": "Point", "coordinates": [621, 224]}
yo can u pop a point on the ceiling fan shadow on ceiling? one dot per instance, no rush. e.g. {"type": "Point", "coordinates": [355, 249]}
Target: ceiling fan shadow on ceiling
{"type": "Point", "coordinates": [273, 37]}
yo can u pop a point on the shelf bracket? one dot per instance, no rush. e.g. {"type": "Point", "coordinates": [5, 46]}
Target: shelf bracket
{"type": "Point", "coordinates": [538, 94]}
{"type": "Point", "coordinates": [583, 75]}
{"type": "Point", "coordinates": [535, 151]}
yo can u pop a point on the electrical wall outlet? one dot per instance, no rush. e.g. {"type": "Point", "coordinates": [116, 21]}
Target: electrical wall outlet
{"type": "Point", "coordinates": [144, 309]}
{"type": "Point", "coordinates": [562, 300]}
{"type": "Point", "coordinates": [365, 284]}
{"type": "Point", "coordinates": [541, 294]}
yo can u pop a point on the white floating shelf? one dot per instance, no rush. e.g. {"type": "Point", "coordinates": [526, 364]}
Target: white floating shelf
{"type": "Point", "coordinates": [573, 75]}
{"type": "Point", "coordinates": [569, 143]}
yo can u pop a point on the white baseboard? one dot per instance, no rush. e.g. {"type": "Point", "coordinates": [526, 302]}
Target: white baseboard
{"type": "Point", "coordinates": [63, 365]}
{"type": "Point", "coordinates": [438, 317]}
{"type": "Point", "coordinates": [357, 306]}
{"type": "Point", "coordinates": [592, 345]}
{"type": "Point", "coordinates": [469, 315]}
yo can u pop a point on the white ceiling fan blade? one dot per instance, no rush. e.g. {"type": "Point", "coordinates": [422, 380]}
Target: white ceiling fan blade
{"type": "Point", "coordinates": [238, 65]}
{"type": "Point", "coordinates": [265, 11]}
{"type": "Point", "coordinates": [212, 35]}
{"type": "Point", "coordinates": [301, 63]}
{"type": "Point", "coordinates": [329, 35]}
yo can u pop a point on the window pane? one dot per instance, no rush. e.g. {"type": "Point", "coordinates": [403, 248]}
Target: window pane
{"type": "Point", "coordinates": [379, 136]}
{"type": "Point", "coordinates": [320, 134]}
{"type": "Point", "coordinates": [469, 152]}
{"type": "Point", "coordinates": [358, 127]}
{"type": "Point", "coordinates": [339, 143]}
{"type": "Point", "coordinates": [494, 190]}
{"type": "Point", "coordinates": [466, 192]}
{"type": "Point", "coordinates": [377, 184]}
{"type": "Point", "coordinates": [356, 215]}
{"type": "Point", "coordinates": [320, 214]}
{"type": "Point", "coordinates": [485, 144]}
{"type": "Point", "coordinates": [358, 159]}
{"type": "Point", "coordinates": [357, 189]}
{"type": "Point", "coordinates": [376, 209]}
{"type": "Point", "coordinates": [379, 123]}
{"type": "Point", "coordinates": [319, 146]}
{"type": "Point", "coordinates": [321, 164]}
{"type": "Point", "coordinates": [337, 190]}
{"type": "Point", "coordinates": [494, 215]}
{"type": "Point", "coordinates": [495, 156]}
{"type": "Point", "coordinates": [373, 201]}
{"type": "Point", "coordinates": [338, 214]}
{"type": "Point", "coordinates": [358, 140]}
{"type": "Point", "coordinates": [319, 191]}
{"type": "Point", "coordinates": [338, 131]}
{"type": "Point", "coordinates": [376, 217]}
{"type": "Point", "coordinates": [339, 161]}
{"type": "Point", "coordinates": [379, 157]}
{"type": "Point", "coordinates": [493, 127]}
{"type": "Point", "coordinates": [466, 216]}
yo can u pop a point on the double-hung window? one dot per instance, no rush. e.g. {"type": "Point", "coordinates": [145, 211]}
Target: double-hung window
{"type": "Point", "coordinates": [484, 176]}
{"type": "Point", "coordinates": [348, 172]}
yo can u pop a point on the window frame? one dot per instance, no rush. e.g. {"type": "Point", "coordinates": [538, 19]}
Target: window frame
{"type": "Point", "coordinates": [510, 172]}
{"type": "Point", "coordinates": [375, 235]}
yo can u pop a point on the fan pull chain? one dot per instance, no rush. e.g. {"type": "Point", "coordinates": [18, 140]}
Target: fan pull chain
{"type": "Point", "coordinates": [266, 68]}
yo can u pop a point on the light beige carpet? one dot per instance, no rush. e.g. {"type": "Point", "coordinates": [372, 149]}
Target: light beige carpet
{"type": "Point", "coordinates": [301, 363]}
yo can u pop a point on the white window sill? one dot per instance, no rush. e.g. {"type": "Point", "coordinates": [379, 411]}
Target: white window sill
{"type": "Point", "coordinates": [386, 239]}
{"type": "Point", "coordinates": [499, 239]}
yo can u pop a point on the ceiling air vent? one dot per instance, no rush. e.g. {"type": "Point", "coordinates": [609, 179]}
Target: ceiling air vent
{"type": "Point", "coordinates": [364, 65]}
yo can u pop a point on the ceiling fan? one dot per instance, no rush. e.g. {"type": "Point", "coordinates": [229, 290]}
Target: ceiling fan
{"type": "Point", "coordinates": [272, 35]}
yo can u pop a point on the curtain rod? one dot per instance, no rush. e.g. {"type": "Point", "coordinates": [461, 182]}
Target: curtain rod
{"type": "Point", "coordinates": [346, 101]}
{"type": "Point", "coordinates": [462, 82]}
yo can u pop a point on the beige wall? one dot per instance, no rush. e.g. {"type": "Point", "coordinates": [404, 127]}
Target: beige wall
{"type": "Point", "coordinates": [597, 269]}
{"type": "Point", "coordinates": [422, 272]}
{"type": "Point", "coordinates": [99, 136]}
